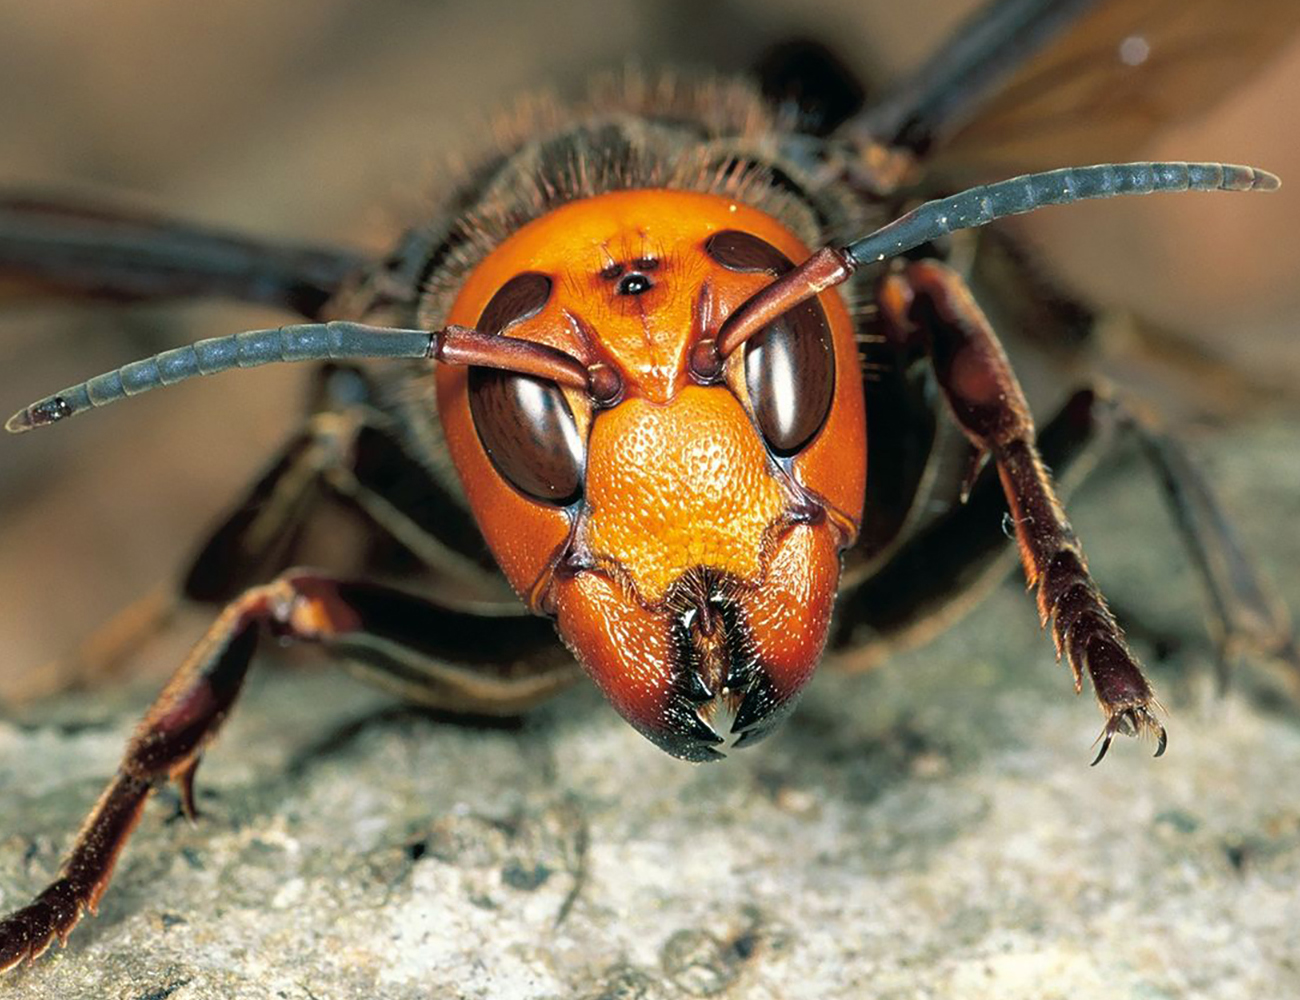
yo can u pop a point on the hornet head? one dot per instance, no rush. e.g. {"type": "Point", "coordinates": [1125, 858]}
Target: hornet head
{"type": "Point", "coordinates": [685, 533]}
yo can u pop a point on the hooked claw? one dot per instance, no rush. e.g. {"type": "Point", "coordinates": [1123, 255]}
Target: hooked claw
{"type": "Point", "coordinates": [1135, 720]}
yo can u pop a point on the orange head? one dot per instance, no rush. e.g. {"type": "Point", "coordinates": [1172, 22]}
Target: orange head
{"type": "Point", "coordinates": [685, 536]}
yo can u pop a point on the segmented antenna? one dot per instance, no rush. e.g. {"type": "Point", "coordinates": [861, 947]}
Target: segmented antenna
{"type": "Point", "coordinates": [302, 342]}
{"type": "Point", "coordinates": [977, 206]}
{"type": "Point", "coordinates": [453, 345]}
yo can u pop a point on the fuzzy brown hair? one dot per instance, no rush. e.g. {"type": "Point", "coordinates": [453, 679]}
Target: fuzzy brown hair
{"type": "Point", "coordinates": [630, 131]}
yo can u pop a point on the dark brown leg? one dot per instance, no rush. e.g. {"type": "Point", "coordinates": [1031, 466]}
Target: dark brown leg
{"type": "Point", "coordinates": [930, 301]}
{"type": "Point", "coordinates": [166, 745]}
{"type": "Point", "coordinates": [504, 665]}
{"type": "Point", "coordinates": [426, 527]}
{"type": "Point", "coordinates": [936, 575]}
{"type": "Point", "coordinates": [347, 452]}
{"type": "Point", "coordinates": [939, 573]}
{"type": "Point", "coordinates": [252, 542]}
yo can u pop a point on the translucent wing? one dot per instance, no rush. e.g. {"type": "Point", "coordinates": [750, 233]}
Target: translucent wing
{"type": "Point", "coordinates": [1121, 72]}
{"type": "Point", "coordinates": [61, 249]}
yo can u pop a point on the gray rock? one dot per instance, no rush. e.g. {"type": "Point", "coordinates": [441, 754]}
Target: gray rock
{"type": "Point", "coordinates": [931, 829]}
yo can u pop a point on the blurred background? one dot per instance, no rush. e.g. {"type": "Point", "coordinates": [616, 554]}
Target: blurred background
{"type": "Point", "coordinates": [332, 121]}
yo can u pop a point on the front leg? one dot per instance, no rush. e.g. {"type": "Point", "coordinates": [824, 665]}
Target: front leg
{"type": "Point", "coordinates": [929, 301]}
{"type": "Point", "coordinates": [442, 656]}
{"type": "Point", "coordinates": [166, 745]}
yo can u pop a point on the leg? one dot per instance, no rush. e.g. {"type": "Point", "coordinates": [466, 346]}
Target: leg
{"type": "Point", "coordinates": [346, 452]}
{"type": "Point", "coordinates": [350, 451]}
{"type": "Point", "coordinates": [929, 301]}
{"type": "Point", "coordinates": [940, 572]}
{"type": "Point", "coordinates": [902, 442]}
{"type": "Point", "coordinates": [455, 658]}
{"type": "Point", "coordinates": [944, 569]}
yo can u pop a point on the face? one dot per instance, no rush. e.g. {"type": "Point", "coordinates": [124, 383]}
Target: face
{"type": "Point", "coordinates": [685, 537]}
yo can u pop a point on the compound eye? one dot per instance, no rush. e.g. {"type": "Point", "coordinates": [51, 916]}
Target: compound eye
{"type": "Point", "coordinates": [790, 373]}
{"type": "Point", "coordinates": [524, 423]}
{"type": "Point", "coordinates": [790, 364]}
{"type": "Point", "coordinates": [529, 433]}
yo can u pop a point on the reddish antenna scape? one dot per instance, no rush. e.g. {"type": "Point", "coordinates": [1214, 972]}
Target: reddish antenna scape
{"type": "Point", "coordinates": [826, 268]}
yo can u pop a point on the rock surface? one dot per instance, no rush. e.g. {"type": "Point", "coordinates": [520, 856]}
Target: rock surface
{"type": "Point", "coordinates": [929, 829]}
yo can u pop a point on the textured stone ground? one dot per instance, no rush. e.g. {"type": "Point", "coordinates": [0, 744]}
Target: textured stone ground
{"type": "Point", "coordinates": [931, 829]}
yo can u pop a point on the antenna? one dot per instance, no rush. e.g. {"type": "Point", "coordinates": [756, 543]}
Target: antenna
{"type": "Point", "coordinates": [456, 345]}
{"type": "Point", "coordinates": [977, 206]}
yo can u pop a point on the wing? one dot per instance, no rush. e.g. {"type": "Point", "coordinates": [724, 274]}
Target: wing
{"type": "Point", "coordinates": [926, 106]}
{"type": "Point", "coordinates": [1034, 84]}
{"type": "Point", "coordinates": [54, 249]}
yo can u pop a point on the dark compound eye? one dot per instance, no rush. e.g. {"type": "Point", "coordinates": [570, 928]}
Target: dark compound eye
{"type": "Point", "coordinates": [790, 372]}
{"type": "Point", "coordinates": [744, 252]}
{"type": "Point", "coordinates": [528, 430]}
{"type": "Point", "coordinates": [525, 423]}
{"type": "Point", "coordinates": [520, 298]}
{"type": "Point", "coordinates": [790, 364]}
